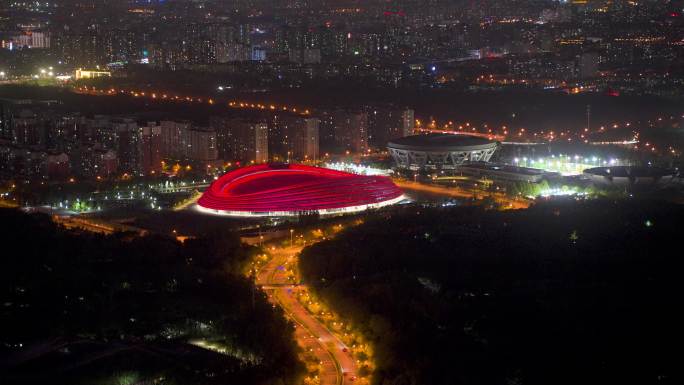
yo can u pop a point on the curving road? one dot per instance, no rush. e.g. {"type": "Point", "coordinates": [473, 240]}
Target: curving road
{"type": "Point", "coordinates": [338, 366]}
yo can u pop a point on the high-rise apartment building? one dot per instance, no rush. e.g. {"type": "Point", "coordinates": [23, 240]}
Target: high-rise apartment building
{"type": "Point", "coordinates": [201, 144]}
{"type": "Point", "coordinates": [350, 131]}
{"type": "Point", "coordinates": [386, 124]}
{"type": "Point", "coordinates": [173, 136]}
{"type": "Point", "coordinates": [306, 139]}
{"type": "Point", "coordinates": [261, 142]}
{"type": "Point", "coordinates": [242, 140]}
{"type": "Point", "coordinates": [149, 150]}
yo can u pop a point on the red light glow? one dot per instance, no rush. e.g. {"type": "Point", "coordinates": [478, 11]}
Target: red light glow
{"type": "Point", "coordinates": [291, 188]}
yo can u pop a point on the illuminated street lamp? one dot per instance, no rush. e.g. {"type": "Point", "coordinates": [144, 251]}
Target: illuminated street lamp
{"type": "Point", "coordinates": [291, 232]}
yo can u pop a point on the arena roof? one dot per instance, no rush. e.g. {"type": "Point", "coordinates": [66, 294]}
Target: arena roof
{"type": "Point", "coordinates": [629, 177]}
{"type": "Point", "coordinates": [441, 142]}
{"type": "Point", "coordinates": [628, 171]}
{"type": "Point", "coordinates": [290, 189]}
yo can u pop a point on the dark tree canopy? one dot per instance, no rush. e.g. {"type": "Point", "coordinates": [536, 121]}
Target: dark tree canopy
{"type": "Point", "coordinates": [562, 293]}
{"type": "Point", "coordinates": [84, 308]}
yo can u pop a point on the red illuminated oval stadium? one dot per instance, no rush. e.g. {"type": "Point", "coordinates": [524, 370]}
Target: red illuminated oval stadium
{"type": "Point", "coordinates": [291, 189]}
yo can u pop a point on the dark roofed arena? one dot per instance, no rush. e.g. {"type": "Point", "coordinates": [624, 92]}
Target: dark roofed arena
{"type": "Point", "coordinates": [292, 189]}
{"type": "Point", "coordinates": [630, 176]}
{"type": "Point", "coordinates": [440, 151]}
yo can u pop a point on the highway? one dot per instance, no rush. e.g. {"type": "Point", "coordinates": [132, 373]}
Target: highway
{"type": "Point", "coordinates": [458, 192]}
{"type": "Point", "coordinates": [338, 366]}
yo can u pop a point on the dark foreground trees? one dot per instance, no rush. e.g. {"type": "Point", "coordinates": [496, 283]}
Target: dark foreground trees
{"type": "Point", "coordinates": [562, 293]}
{"type": "Point", "coordinates": [91, 309]}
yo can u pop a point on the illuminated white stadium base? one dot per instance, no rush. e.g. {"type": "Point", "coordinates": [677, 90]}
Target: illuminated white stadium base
{"type": "Point", "coordinates": [342, 210]}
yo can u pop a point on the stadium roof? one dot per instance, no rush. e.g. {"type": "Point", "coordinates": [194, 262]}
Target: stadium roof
{"type": "Point", "coordinates": [441, 142]}
{"type": "Point", "coordinates": [288, 189]}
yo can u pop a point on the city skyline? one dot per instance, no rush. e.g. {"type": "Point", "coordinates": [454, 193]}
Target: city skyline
{"type": "Point", "coordinates": [341, 192]}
